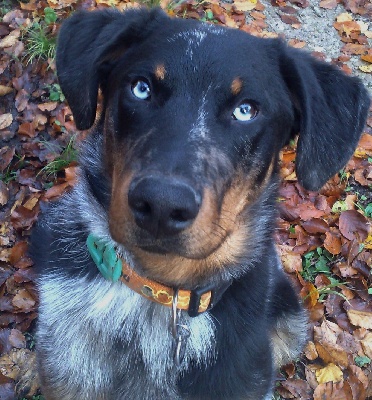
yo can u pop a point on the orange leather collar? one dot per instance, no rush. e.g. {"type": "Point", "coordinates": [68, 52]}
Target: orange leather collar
{"type": "Point", "coordinates": [160, 293]}
{"type": "Point", "coordinates": [114, 268]}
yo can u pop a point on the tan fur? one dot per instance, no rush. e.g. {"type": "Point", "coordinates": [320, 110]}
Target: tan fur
{"type": "Point", "coordinates": [160, 72]}
{"type": "Point", "coordinates": [217, 238]}
{"type": "Point", "coordinates": [236, 86]}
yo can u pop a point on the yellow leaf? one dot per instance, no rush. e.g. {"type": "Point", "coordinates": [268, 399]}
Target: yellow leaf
{"type": "Point", "coordinates": [368, 242]}
{"type": "Point", "coordinates": [247, 5]}
{"type": "Point", "coordinates": [331, 373]}
{"type": "Point", "coordinates": [366, 68]}
{"type": "Point", "coordinates": [344, 17]}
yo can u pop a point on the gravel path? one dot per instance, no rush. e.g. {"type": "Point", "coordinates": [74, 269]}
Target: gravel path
{"type": "Point", "coordinates": [318, 32]}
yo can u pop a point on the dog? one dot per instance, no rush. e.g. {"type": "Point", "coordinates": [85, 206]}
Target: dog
{"type": "Point", "coordinates": [158, 274]}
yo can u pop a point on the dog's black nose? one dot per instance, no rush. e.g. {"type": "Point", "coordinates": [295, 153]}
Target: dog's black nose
{"type": "Point", "coordinates": [162, 205]}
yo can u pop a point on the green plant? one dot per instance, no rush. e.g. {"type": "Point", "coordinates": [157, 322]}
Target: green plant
{"type": "Point", "coordinates": [40, 43]}
{"type": "Point", "coordinates": [64, 158]}
{"type": "Point", "coordinates": [317, 262]}
{"type": "Point", "coordinates": [361, 361]}
{"type": "Point", "coordinates": [8, 175]}
{"type": "Point", "coordinates": [55, 93]}
{"type": "Point", "coordinates": [327, 290]}
{"type": "Point", "coordinates": [151, 3]}
{"type": "Point", "coordinates": [5, 7]}
{"type": "Point", "coordinates": [208, 17]}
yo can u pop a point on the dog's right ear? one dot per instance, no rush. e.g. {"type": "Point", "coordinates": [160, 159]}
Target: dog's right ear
{"type": "Point", "coordinates": [85, 42]}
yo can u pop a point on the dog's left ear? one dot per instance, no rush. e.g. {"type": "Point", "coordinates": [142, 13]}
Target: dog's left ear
{"type": "Point", "coordinates": [332, 109]}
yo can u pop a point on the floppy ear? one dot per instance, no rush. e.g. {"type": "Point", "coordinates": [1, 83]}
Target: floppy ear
{"type": "Point", "coordinates": [332, 109]}
{"type": "Point", "coordinates": [85, 43]}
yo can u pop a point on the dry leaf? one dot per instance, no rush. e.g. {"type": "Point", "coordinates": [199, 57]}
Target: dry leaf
{"type": "Point", "coordinates": [247, 5]}
{"type": "Point", "coordinates": [5, 120]}
{"type": "Point", "coordinates": [366, 68]}
{"type": "Point", "coordinates": [331, 373]}
{"type": "Point", "coordinates": [4, 90]}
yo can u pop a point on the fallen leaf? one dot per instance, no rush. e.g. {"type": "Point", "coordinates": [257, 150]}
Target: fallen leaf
{"type": "Point", "coordinates": [4, 90]}
{"type": "Point", "coordinates": [289, 19]}
{"type": "Point", "coordinates": [24, 301]}
{"type": "Point", "coordinates": [333, 391]}
{"type": "Point", "coordinates": [20, 365]}
{"type": "Point", "coordinates": [353, 225]}
{"type": "Point", "coordinates": [6, 120]}
{"type": "Point", "coordinates": [330, 373]}
{"type": "Point", "coordinates": [359, 313]}
{"type": "Point", "coordinates": [11, 39]}
{"type": "Point", "coordinates": [50, 106]}
{"type": "Point", "coordinates": [291, 261]}
{"type": "Point", "coordinates": [247, 5]}
{"type": "Point", "coordinates": [366, 68]}
{"type": "Point", "coordinates": [332, 243]}
{"type": "Point", "coordinates": [366, 343]}
{"type": "Point", "coordinates": [343, 17]}
{"type": "Point", "coordinates": [6, 156]}
{"type": "Point", "coordinates": [4, 194]}
{"type": "Point", "coordinates": [328, 4]}
{"type": "Point", "coordinates": [310, 351]}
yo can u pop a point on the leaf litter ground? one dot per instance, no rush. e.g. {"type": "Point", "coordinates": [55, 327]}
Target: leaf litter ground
{"type": "Point", "coordinates": [324, 239]}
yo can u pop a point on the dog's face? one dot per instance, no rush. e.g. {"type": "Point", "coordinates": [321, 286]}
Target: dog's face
{"type": "Point", "coordinates": [192, 140]}
{"type": "Point", "coordinates": [194, 119]}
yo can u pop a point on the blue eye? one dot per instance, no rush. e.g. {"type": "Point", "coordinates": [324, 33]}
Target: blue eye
{"type": "Point", "coordinates": [245, 112]}
{"type": "Point", "coordinates": [141, 90]}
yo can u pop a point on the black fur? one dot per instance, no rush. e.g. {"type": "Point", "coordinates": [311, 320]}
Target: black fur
{"type": "Point", "coordinates": [178, 147]}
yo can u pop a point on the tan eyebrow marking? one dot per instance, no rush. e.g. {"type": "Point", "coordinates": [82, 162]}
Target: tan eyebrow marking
{"type": "Point", "coordinates": [160, 71]}
{"type": "Point", "coordinates": [236, 86]}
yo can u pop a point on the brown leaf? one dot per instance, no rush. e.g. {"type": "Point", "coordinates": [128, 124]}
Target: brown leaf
{"type": "Point", "coordinates": [27, 129]}
{"type": "Point", "coordinates": [298, 388]}
{"type": "Point", "coordinates": [291, 261]}
{"type": "Point", "coordinates": [353, 48]}
{"type": "Point", "coordinates": [18, 251]}
{"type": "Point", "coordinates": [4, 90]}
{"type": "Point", "coordinates": [24, 301]}
{"type": "Point", "coordinates": [21, 100]}
{"type": "Point", "coordinates": [11, 39]}
{"type": "Point", "coordinates": [310, 294]}
{"type": "Point", "coordinates": [17, 339]}
{"type": "Point", "coordinates": [353, 225]}
{"type": "Point", "coordinates": [20, 365]}
{"type": "Point", "coordinates": [289, 19]}
{"type": "Point", "coordinates": [315, 225]}
{"type": "Point", "coordinates": [310, 351]}
{"type": "Point", "coordinates": [23, 218]}
{"type": "Point", "coordinates": [332, 243]}
{"type": "Point", "coordinates": [4, 194]}
{"type": "Point", "coordinates": [50, 106]}
{"type": "Point", "coordinates": [328, 4]}
{"type": "Point", "coordinates": [6, 156]}
{"type": "Point", "coordinates": [333, 391]}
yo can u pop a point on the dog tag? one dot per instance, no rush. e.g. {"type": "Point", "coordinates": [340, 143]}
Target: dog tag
{"type": "Point", "coordinates": [180, 342]}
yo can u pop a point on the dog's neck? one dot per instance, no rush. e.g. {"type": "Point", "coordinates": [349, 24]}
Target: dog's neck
{"type": "Point", "coordinates": [115, 268]}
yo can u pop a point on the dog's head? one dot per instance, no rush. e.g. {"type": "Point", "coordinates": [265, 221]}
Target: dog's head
{"type": "Point", "coordinates": [194, 118]}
